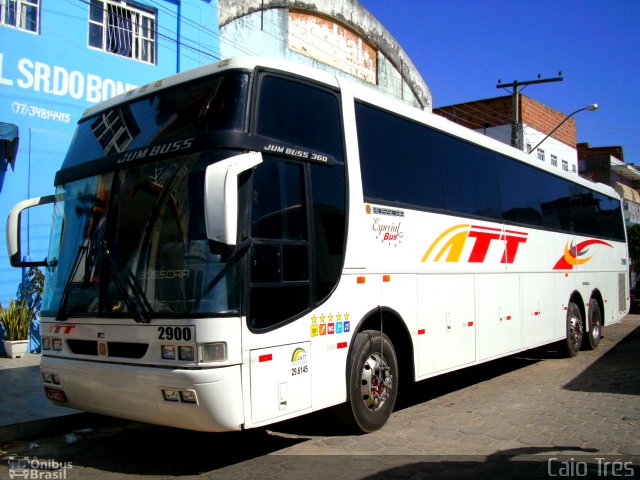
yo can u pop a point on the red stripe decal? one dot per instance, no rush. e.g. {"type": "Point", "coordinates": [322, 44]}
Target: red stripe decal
{"type": "Point", "coordinates": [469, 324]}
{"type": "Point", "coordinates": [265, 358]}
{"type": "Point", "coordinates": [492, 229]}
{"type": "Point", "coordinates": [342, 345]}
{"type": "Point", "coordinates": [421, 331]}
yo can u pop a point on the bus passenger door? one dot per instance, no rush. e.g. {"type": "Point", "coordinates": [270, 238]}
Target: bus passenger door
{"type": "Point", "coordinates": [446, 322]}
{"type": "Point", "coordinates": [280, 381]}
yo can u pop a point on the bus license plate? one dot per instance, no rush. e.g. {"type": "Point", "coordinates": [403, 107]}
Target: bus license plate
{"type": "Point", "coordinates": [55, 394]}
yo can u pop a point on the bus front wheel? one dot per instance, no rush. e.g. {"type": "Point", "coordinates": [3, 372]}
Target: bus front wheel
{"type": "Point", "coordinates": [372, 382]}
{"type": "Point", "coordinates": [575, 330]}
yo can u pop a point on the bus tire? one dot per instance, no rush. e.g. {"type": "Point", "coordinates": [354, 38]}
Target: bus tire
{"type": "Point", "coordinates": [594, 319]}
{"type": "Point", "coordinates": [575, 329]}
{"type": "Point", "coordinates": [372, 382]}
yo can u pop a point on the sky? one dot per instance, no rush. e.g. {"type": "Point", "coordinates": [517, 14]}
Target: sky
{"type": "Point", "coordinates": [463, 48]}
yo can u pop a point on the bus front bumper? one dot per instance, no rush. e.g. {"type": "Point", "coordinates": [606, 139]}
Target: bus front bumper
{"type": "Point", "coordinates": [208, 400]}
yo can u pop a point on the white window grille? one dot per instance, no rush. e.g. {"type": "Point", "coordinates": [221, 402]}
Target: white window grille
{"type": "Point", "coordinates": [541, 155]}
{"type": "Point", "coordinates": [112, 131]}
{"type": "Point", "coordinates": [122, 29]}
{"type": "Point", "coordinates": [20, 14]}
{"type": "Point", "coordinates": [554, 160]}
{"type": "Point", "coordinates": [565, 165]}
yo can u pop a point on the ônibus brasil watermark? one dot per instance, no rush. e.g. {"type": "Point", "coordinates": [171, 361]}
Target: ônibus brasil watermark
{"type": "Point", "coordinates": [33, 468]}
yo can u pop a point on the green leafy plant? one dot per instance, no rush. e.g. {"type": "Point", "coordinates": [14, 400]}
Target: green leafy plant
{"type": "Point", "coordinates": [16, 320]}
{"type": "Point", "coordinates": [17, 317]}
{"type": "Point", "coordinates": [30, 289]}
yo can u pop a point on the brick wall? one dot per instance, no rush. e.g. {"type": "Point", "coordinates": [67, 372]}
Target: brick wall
{"type": "Point", "coordinates": [497, 111]}
{"type": "Point", "coordinates": [544, 119]}
{"type": "Point", "coordinates": [586, 152]}
{"type": "Point", "coordinates": [479, 114]}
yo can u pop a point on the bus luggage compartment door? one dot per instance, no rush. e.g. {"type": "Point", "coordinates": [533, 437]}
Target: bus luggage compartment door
{"type": "Point", "coordinates": [280, 381]}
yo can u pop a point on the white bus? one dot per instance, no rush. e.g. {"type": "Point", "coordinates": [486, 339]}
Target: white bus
{"type": "Point", "coordinates": [252, 241]}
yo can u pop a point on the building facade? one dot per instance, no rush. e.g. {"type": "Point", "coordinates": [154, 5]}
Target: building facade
{"type": "Point", "coordinates": [59, 57]}
{"type": "Point", "coordinates": [340, 36]}
{"type": "Point", "coordinates": [607, 165]}
{"type": "Point", "coordinates": [493, 117]}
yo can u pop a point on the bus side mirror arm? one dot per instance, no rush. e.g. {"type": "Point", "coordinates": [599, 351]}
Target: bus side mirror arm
{"type": "Point", "coordinates": [221, 196]}
{"type": "Point", "coordinates": [14, 227]}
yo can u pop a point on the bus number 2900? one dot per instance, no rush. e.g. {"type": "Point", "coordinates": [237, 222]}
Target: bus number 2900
{"type": "Point", "coordinates": [174, 333]}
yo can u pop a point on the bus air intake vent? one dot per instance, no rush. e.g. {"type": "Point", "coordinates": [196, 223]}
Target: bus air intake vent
{"type": "Point", "coordinates": [115, 349]}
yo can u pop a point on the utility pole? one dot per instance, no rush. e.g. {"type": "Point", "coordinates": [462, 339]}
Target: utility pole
{"type": "Point", "coordinates": [516, 134]}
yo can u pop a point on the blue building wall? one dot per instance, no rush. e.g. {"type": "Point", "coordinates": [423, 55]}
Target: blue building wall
{"type": "Point", "coordinates": [48, 79]}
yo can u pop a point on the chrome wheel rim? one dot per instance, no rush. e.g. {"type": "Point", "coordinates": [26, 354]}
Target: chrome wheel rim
{"type": "Point", "coordinates": [376, 381]}
{"type": "Point", "coordinates": [575, 332]}
{"type": "Point", "coordinates": [596, 325]}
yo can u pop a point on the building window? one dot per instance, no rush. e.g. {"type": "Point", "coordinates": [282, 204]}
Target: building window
{"type": "Point", "coordinates": [21, 14]}
{"type": "Point", "coordinates": [122, 29]}
{"type": "Point", "coordinates": [565, 165]}
{"type": "Point", "coordinates": [528, 147]}
{"type": "Point", "coordinates": [541, 155]}
{"type": "Point", "coordinates": [573, 168]}
{"type": "Point", "coordinates": [554, 160]}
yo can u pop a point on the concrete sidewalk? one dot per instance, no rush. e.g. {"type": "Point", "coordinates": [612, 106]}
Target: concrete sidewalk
{"type": "Point", "coordinates": [25, 411]}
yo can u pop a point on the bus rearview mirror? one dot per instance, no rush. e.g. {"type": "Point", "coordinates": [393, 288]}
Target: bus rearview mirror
{"type": "Point", "coordinates": [14, 227]}
{"type": "Point", "coordinates": [221, 196]}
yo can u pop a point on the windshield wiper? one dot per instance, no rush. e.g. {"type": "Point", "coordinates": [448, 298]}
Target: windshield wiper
{"type": "Point", "coordinates": [62, 310]}
{"type": "Point", "coordinates": [238, 252]}
{"type": "Point", "coordinates": [137, 303]}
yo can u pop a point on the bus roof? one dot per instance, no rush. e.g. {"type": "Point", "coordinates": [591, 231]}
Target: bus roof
{"type": "Point", "coordinates": [360, 92]}
{"type": "Point", "coordinates": [242, 63]}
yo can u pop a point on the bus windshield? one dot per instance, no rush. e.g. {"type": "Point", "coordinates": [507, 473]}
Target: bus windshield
{"type": "Point", "coordinates": [129, 236]}
{"type": "Point", "coordinates": [135, 243]}
{"type": "Point", "coordinates": [204, 105]}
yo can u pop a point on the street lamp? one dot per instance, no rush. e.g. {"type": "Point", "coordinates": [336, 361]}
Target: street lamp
{"type": "Point", "coordinates": [592, 108]}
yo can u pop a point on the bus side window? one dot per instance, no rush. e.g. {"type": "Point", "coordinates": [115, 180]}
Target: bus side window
{"type": "Point", "coordinates": [300, 114]}
{"type": "Point", "coordinates": [298, 208]}
{"type": "Point", "coordinates": [280, 286]}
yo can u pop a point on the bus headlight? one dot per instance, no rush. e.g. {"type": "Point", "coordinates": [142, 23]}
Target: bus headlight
{"type": "Point", "coordinates": [46, 343]}
{"type": "Point", "coordinates": [171, 395]}
{"type": "Point", "coordinates": [188, 396]}
{"type": "Point", "coordinates": [56, 344]}
{"type": "Point", "coordinates": [214, 352]}
{"type": "Point", "coordinates": [168, 352]}
{"type": "Point", "coordinates": [185, 352]}
{"type": "Point", "coordinates": [53, 378]}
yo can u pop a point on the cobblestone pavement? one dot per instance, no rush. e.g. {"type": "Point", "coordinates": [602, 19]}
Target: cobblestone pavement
{"type": "Point", "coordinates": [534, 415]}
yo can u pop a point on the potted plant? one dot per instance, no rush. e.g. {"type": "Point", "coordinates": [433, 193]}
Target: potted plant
{"type": "Point", "coordinates": [17, 318]}
{"type": "Point", "coordinates": [16, 321]}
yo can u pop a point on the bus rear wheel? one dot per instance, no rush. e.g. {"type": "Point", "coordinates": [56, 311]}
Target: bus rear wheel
{"type": "Point", "coordinates": [594, 318]}
{"type": "Point", "coordinates": [575, 330]}
{"type": "Point", "coordinates": [372, 382]}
